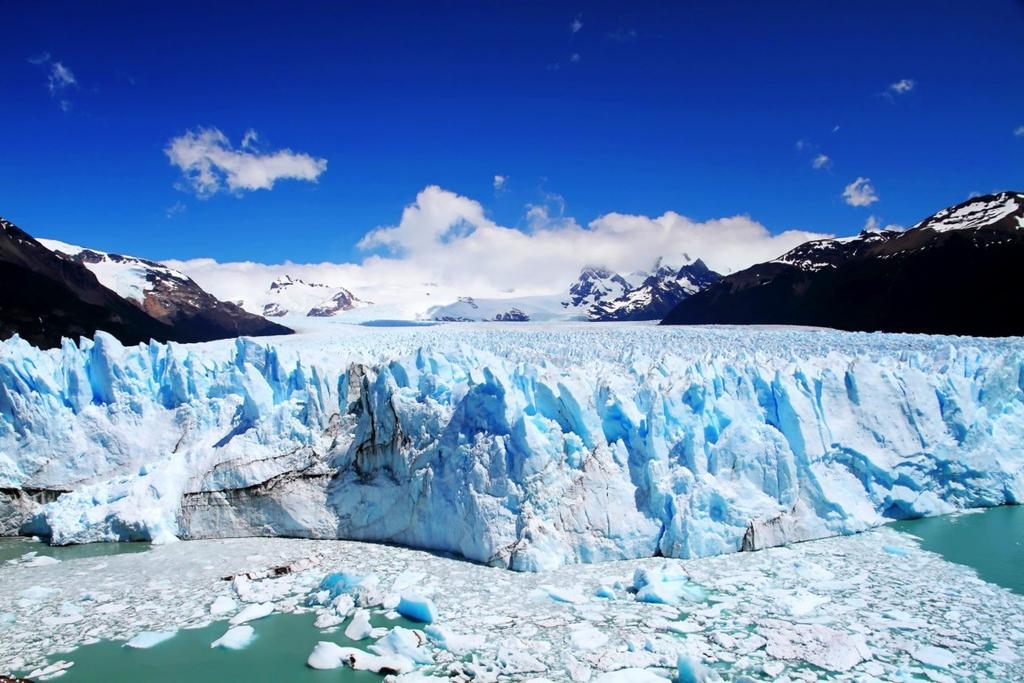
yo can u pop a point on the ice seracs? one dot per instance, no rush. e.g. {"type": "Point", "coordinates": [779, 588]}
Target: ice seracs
{"type": "Point", "coordinates": [509, 447]}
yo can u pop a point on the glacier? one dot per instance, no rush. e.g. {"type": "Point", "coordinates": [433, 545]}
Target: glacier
{"type": "Point", "coordinates": [529, 449]}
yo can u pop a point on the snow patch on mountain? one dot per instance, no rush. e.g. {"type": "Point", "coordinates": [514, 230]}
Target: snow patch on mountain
{"type": "Point", "coordinates": [128, 276]}
{"type": "Point", "coordinates": [977, 213]}
{"type": "Point", "coordinates": [288, 296]}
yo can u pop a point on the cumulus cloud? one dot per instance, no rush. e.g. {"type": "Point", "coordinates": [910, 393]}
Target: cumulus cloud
{"type": "Point", "coordinates": [499, 182]}
{"type": "Point", "coordinates": [446, 246]}
{"type": "Point", "coordinates": [577, 24]}
{"type": "Point", "coordinates": [821, 162]}
{"type": "Point", "coordinates": [209, 164]}
{"type": "Point", "coordinates": [900, 87]}
{"type": "Point", "coordinates": [860, 193]}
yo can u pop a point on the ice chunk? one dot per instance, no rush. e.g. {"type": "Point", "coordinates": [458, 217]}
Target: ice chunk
{"type": "Point", "coordinates": [222, 605]}
{"type": "Point", "coordinates": [148, 639]}
{"type": "Point", "coordinates": [359, 628]}
{"type": "Point", "coordinates": [690, 670]}
{"type": "Point", "coordinates": [668, 585]}
{"type": "Point", "coordinates": [235, 638]}
{"type": "Point", "coordinates": [938, 657]}
{"type": "Point", "coordinates": [631, 675]}
{"type": "Point", "coordinates": [418, 608]}
{"type": "Point", "coordinates": [404, 642]}
{"type": "Point", "coordinates": [455, 643]}
{"type": "Point", "coordinates": [328, 655]}
{"type": "Point", "coordinates": [253, 612]}
{"type": "Point", "coordinates": [587, 638]}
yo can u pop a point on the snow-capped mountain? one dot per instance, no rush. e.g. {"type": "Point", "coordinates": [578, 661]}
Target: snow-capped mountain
{"type": "Point", "coordinates": [288, 296]}
{"type": "Point", "coordinates": [954, 272]}
{"type": "Point", "coordinates": [46, 297]}
{"type": "Point", "coordinates": [655, 294]}
{"type": "Point", "coordinates": [167, 295]}
{"type": "Point", "coordinates": [598, 294]}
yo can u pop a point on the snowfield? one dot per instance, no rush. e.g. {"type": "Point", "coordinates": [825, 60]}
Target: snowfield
{"type": "Point", "coordinates": [530, 447]}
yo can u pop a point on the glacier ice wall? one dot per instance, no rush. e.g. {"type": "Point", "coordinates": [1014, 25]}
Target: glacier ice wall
{"type": "Point", "coordinates": [527, 449]}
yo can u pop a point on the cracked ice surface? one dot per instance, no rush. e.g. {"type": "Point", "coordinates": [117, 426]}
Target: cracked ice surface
{"type": "Point", "coordinates": [531, 447]}
{"type": "Point", "coordinates": [842, 608]}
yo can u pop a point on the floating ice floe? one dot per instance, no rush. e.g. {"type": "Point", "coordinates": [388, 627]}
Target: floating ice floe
{"type": "Point", "coordinates": [327, 655]}
{"type": "Point", "coordinates": [235, 638]}
{"type": "Point", "coordinates": [253, 612]}
{"type": "Point", "coordinates": [148, 639]}
{"type": "Point", "coordinates": [418, 608]}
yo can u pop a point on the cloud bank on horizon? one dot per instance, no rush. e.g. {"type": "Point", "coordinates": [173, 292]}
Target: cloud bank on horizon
{"type": "Point", "coordinates": [445, 244]}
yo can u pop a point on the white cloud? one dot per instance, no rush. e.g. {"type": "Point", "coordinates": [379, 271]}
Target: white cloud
{"type": "Point", "coordinates": [249, 139]}
{"type": "Point", "coordinates": [446, 245]}
{"type": "Point", "coordinates": [1019, 132]}
{"type": "Point", "coordinates": [175, 209]}
{"type": "Point", "coordinates": [802, 145]}
{"type": "Point", "coordinates": [860, 193]}
{"type": "Point", "coordinates": [874, 224]}
{"type": "Point", "coordinates": [60, 78]}
{"type": "Point", "coordinates": [574, 57]}
{"type": "Point", "coordinates": [576, 24]}
{"type": "Point", "coordinates": [210, 164]}
{"type": "Point", "coordinates": [822, 161]}
{"type": "Point", "coordinates": [499, 182]}
{"type": "Point", "coordinates": [904, 85]}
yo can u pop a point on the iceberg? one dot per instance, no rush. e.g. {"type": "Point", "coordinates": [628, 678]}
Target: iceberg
{"type": "Point", "coordinates": [528, 449]}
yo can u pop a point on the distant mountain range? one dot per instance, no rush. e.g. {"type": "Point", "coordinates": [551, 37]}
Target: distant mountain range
{"type": "Point", "coordinates": [53, 290]}
{"type": "Point", "coordinates": [292, 296]}
{"type": "Point", "coordinates": [598, 294]}
{"type": "Point", "coordinates": [955, 272]}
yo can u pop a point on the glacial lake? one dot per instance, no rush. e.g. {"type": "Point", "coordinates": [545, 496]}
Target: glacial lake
{"type": "Point", "coordinates": [279, 652]}
{"type": "Point", "coordinates": [990, 541]}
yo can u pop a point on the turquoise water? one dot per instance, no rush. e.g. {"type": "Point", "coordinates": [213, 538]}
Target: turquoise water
{"type": "Point", "coordinates": [13, 548]}
{"type": "Point", "coordinates": [991, 542]}
{"type": "Point", "coordinates": [279, 652]}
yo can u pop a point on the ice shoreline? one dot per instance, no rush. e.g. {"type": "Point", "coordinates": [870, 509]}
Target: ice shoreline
{"type": "Point", "coordinates": [878, 597]}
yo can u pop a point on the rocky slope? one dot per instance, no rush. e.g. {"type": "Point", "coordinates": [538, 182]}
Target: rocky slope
{"type": "Point", "coordinates": [46, 297]}
{"type": "Point", "coordinates": [167, 295]}
{"type": "Point", "coordinates": [955, 272]}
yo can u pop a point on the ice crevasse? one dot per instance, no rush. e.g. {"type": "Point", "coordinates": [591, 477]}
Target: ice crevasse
{"type": "Point", "coordinates": [515, 450]}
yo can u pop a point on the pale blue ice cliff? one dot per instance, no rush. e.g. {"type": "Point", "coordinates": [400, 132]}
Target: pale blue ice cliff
{"type": "Point", "coordinates": [530, 448]}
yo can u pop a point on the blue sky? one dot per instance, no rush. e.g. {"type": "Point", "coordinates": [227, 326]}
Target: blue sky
{"type": "Point", "coordinates": [709, 110]}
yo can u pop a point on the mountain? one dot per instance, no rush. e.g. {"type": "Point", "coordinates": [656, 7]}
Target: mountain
{"type": "Point", "coordinates": [656, 294]}
{"type": "Point", "coordinates": [167, 295]}
{"type": "Point", "coordinates": [598, 294]}
{"type": "Point", "coordinates": [514, 309]}
{"type": "Point", "coordinates": [955, 272]}
{"type": "Point", "coordinates": [292, 296]}
{"type": "Point", "coordinates": [46, 297]}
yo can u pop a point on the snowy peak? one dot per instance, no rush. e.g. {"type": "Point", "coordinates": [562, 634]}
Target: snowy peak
{"type": "Point", "coordinates": [596, 284]}
{"type": "Point", "coordinates": [291, 296]}
{"type": "Point", "coordinates": [650, 295]}
{"type": "Point", "coordinates": [1000, 211]}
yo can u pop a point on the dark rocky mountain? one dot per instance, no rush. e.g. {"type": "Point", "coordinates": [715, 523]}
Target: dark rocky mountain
{"type": "Point", "coordinates": [48, 295]}
{"type": "Point", "coordinates": [953, 273]}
